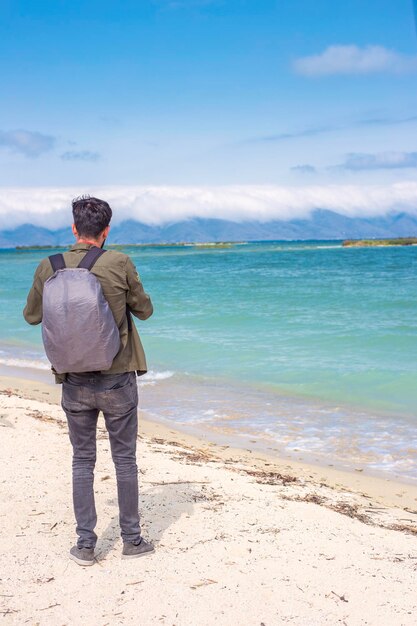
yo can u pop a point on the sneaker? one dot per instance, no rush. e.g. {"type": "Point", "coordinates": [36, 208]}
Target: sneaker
{"type": "Point", "coordinates": [82, 556]}
{"type": "Point", "coordinates": [133, 550]}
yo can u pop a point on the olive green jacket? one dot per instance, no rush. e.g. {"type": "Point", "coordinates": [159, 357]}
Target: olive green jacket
{"type": "Point", "coordinates": [121, 287]}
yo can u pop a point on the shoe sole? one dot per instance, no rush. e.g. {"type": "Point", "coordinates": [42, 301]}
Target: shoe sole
{"type": "Point", "coordinates": [81, 562]}
{"type": "Point", "coordinates": [136, 556]}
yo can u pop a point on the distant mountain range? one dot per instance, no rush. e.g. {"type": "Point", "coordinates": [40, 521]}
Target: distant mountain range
{"type": "Point", "coordinates": [321, 224]}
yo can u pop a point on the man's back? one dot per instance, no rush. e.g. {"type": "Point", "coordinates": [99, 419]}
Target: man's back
{"type": "Point", "coordinates": [121, 287]}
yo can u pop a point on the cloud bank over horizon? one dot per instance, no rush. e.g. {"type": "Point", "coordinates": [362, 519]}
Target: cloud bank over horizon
{"type": "Point", "coordinates": [51, 207]}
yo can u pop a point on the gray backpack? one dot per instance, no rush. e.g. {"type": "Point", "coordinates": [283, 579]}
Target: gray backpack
{"type": "Point", "coordinates": [78, 328]}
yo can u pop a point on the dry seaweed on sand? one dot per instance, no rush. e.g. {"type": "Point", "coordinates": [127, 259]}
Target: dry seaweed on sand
{"type": "Point", "coordinates": [351, 510]}
{"type": "Point", "coordinates": [405, 528]}
{"type": "Point", "coordinates": [270, 478]}
{"type": "Point", "coordinates": [38, 415]}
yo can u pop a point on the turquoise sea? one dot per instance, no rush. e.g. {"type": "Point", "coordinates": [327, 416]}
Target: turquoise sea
{"type": "Point", "coordinates": [306, 349]}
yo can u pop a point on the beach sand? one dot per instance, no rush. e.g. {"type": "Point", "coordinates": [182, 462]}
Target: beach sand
{"type": "Point", "coordinates": [241, 538]}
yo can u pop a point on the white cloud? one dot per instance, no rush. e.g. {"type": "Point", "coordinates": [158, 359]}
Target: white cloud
{"type": "Point", "coordinates": [304, 169]}
{"type": "Point", "coordinates": [51, 208]}
{"type": "Point", "coordinates": [381, 161]}
{"type": "Point", "coordinates": [80, 155]}
{"type": "Point", "coordinates": [27, 142]}
{"type": "Point", "coordinates": [355, 60]}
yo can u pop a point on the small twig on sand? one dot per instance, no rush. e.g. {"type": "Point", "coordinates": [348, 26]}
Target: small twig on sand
{"type": "Point", "coordinates": [8, 611]}
{"type": "Point", "coordinates": [410, 510]}
{"type": "Point", "coordinates": [42, 581]}
{"type": "Point", "coordinates": [208, 581]}
{"type": "Point", "coordinates": [178, 482]}
{"type": "Point", "coordinates": [136, 582]}
{"type": "Point", "coordinates": [340, 597]}
{"type": "Point", "coordinates": [51, 606]}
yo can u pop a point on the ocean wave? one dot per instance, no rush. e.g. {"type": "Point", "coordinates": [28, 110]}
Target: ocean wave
{"type": "Point", "coordinates": [28, 363]}
{"type": "Point", "coordinates": [151, 377]}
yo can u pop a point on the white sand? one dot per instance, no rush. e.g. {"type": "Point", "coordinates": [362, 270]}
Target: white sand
{"type": "Point", "coordinates": [229, 549]}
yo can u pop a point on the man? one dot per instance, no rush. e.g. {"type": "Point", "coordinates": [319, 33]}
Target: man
{"type": "Point", "coordinates": [114, 391]}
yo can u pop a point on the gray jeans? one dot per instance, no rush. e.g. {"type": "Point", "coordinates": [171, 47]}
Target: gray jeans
{"type": "Point", "coordinates": [116, 395]}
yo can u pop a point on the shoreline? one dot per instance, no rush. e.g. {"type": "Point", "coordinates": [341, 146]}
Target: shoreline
{"type": "Point", "coordinates": [389, 491]}
{"type": "Point", "coordinates": [159, 392]}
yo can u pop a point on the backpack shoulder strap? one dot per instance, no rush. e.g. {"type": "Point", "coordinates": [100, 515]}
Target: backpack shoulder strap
{"type": "Point", "coordinates": [57, 262]}
{"type": "Point", "coordinates": [90, 258]}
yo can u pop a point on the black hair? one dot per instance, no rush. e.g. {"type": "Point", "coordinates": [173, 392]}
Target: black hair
{"type": "Point", "coordinates": [91, 216]}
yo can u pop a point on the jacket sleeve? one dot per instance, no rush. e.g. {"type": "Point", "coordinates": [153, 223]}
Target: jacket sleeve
{"type": "Point", "coordinates": [33, 309]}
{"type": "Point", "coordinates": [137, 300]}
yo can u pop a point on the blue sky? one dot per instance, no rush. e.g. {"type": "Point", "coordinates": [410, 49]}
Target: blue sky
{"type": "Point", "coordinates": [207, 92]}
